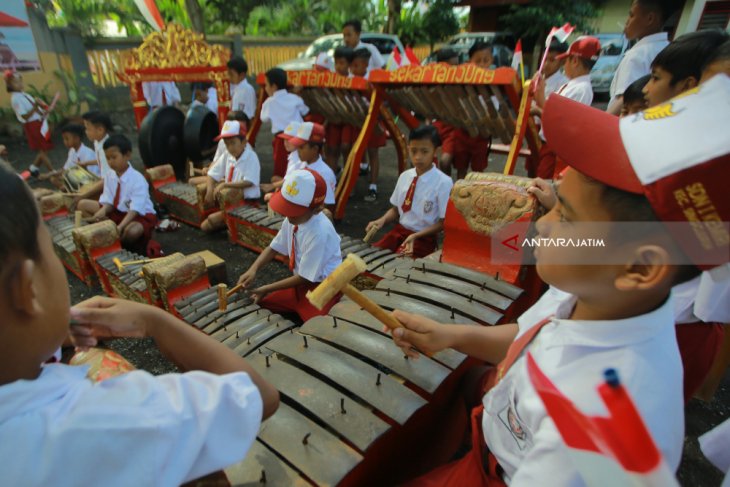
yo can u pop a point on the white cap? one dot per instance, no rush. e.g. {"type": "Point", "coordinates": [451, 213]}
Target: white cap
{"type": "Point", "coordinates": [232, 128]}
{"type": "Point", "coordinates": [302, 189]}
{"type": "Point", "coordinates": [290, 130]}
{"type": "Point", "coordinates": [324, 61]}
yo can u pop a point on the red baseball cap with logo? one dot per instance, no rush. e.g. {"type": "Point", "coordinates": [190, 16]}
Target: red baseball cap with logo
{"type": "Point", "coordinates": [587, 47]}
{"type": "Point", "coordinates": [308, 132]}
{"type": "Point", "coordinates": [302, 190]}
{"type": "Point", "coordinates": [232, 128]}
{"type": "Point", "coordinates": [676, 154]}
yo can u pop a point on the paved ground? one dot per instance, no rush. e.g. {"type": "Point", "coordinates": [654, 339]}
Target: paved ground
{"type": "Point", "coordinates": [700, 417]}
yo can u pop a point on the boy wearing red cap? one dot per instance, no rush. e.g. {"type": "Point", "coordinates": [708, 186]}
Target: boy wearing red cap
{"type": "Point", "coordinates": [579, 60]}
{"type": "Point", "coordinates": [309, 141]}
{"type": "Point", "coordinates": [614, 310]}
{"type": "Point", "coordinates": [307, 238]}
{"type": "Point", "coordinates": [238, 168]}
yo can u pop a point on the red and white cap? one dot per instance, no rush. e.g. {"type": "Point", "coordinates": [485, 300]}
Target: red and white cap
{"type": "Point", "coordinates": [676, 154]}
{"type": "Point", "coordinates": [308, 132]}
{"type": "Point", "coordinates": [324, 62]}
{"type": "Point", "coordinates": [587, 47]}
{"type": "Point", "coordinates": [290, 131]}
{"type": "Point", "coordinates": [232, 128]}
{"type": "Point", "coordinates": [302, 190]}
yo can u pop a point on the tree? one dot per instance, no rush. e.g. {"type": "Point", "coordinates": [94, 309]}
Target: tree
{"type": "Point", "coordinates": [440, 21]}
{"type": "Point", "coordinates": [534, 20]}
{"type": "Point", "coordinates": [394, 7]}
{"type": "Point", "coordinates": [195, 14]}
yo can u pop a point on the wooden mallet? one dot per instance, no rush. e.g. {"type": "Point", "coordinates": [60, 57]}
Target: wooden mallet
{"type": "Point", "coordinates": [222, 297]}
{"type": "Point", "coordinates": [371, 233]}
{"type": "Point", "coordinates": [121, 265]}
{"type": "Point", "coordinates": [78, 216]}
{"type": "Point", "coordinates": [339, 281]}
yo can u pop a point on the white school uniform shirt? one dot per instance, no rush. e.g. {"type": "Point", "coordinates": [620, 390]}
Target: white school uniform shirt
{"type": "Point", "coordinates": [134, 192]}
{"type": "Point", "coordinates": [84, 154]}
{"type": "Point", "coordinates": [429, 200]}
{"type": "Point", "coordinates": [637, 62]}
{"type": "Point", "coordinates": [281, 109]}
{"type": "Point", "coordinates": [212, 102]}
{"type": "Point", "coordinates": [578, 89]}
{"type": "Point", "coordinates": [294, 163]}
{"type": "Point", "coordinates": [245, 168]}
{"type": "Point", "coordinates": [243, 98]}
{"type": "Point", "coordinates": [376, 59]}
{"type": "Point", "coordinates": [153, 90]}
{"type": "Point", "coordinates": [136, 428]}
{"type": "Point", "coordinates": [574, 354]}
{"type": "Point", "coordinates": [554, 82]}
{"type": "Point", "coordinates": [22, 103]}
{"type": "Point", "coordinates": [101, 156]}
{"type": "Point", "coordinates": [316, 247]}
{"type": "Point", "coordinates": [329, 177]}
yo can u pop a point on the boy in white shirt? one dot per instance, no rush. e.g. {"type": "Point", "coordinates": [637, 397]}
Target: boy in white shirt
{"type": "Point", "coordinates": [238, 168]}
{"type": "Point", "coordinates": [607, 308]}
{"type": "Point", "coordinates": [552, 70]}
{"type": "Point", "coordinates": [280, 108]}
{"type": "Point", "coordinates": [97, 126]}
{"type": "Point", "coordinates": [351, 31]}
{"type": "Point", "coordinates": [293, 161]}
{"type": "Point", "coordinates": [56, 409]}
{"type": "Point", "coordinates": [243, 96]}
{"type": "Point", "coordinates": [308, 142]}
{"type": "Point", "coordinates": [579, 60]}
{"type": "Point", "coordinates": [126, 197]}
{"type": "Point", "coordinates": [161, 93]}
{"type": "Point", "coordinates": [310, 241]}
{"type": "Point", "coordinates": [220, 150]}
{"type": "Point", "coordinates": [78, 154]}
{"type": "Point", "coordinates": [645, 23]}
{"type": "Point", "coordinates": [419, 199]}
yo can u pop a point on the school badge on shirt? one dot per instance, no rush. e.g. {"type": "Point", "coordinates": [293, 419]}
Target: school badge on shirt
{"type": "Point", "coordinates": [510, 420]}
{"type": "Point", "coordinates": [428, 206]}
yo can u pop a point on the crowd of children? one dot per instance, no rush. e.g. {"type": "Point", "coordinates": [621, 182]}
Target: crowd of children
{"type": "Point", "coordinates": [627, 169]}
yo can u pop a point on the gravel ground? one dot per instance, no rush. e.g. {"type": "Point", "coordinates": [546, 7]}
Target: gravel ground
{"type": "Point", "coordinates": [700, 416]}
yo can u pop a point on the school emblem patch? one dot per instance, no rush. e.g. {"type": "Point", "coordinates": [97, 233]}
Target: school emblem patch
{"type": "Point", "coordinates": [428, 206]}
{"type": "Point", "coordinates": [291, 189]}
{"type": "Point", "coordinates": [512, 422]}
{"type": "Point", "coordinates": [659, 112]}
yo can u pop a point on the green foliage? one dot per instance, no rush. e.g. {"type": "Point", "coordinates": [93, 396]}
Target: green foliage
{"type": "Point", "coordinates": [76, 96]}
{"type": "Point", "coordinates": [440, 21]}
{"type": "Point", "coordinates": [534, 20]}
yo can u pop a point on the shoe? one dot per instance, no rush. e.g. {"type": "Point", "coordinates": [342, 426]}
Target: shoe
{"type": "Point", "coordinates": [364, 168]}
{"type": "Point", "coordinates": [372, 195]}
{"type": "Point", "coordinates": [34, 171]}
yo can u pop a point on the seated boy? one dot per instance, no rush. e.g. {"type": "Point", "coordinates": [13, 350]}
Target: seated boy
{"type": "Point", "coordinates": [220, 150]}
{"type": "Point", "coordinates": [633, 97]}
{"type": "Point", "coordinates": [200, 94]}
{"type": "Point", "coordinates": [419, 199]}
{"type": "Point", "coordinates": [310, 241]}
{"type": "Point", "coordinates": [78, 154]}
{"type": "Point", "coordinates": [606, 308]}
{"type": "Point", "coordinates": [678, 67]}
{"type": "Point", "coordinates": [281, 108]}
{"type": "Point", "coordinates": [125, 199]}
{"type": "Point", "coordinates": [97, 126]}
{"type": "Point", "coordinates": [168, 429]}
{"type": "Point", "coordinates": [238, 168]}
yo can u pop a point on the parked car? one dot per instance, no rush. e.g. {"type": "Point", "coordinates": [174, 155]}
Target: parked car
{"type": "Point", "coordinates": [305, 60]}
{"type": "Point", "coordinates": [503, 43]}
{"type": "Point", "coordinates": [613, 47]}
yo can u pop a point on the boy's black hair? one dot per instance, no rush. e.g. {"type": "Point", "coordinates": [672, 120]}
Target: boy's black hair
{"type": "Point", "coordinates": [665, 8]}
{"type": "Point", "coordinates": [277, 77]}
{"type": "Point", "coordinates": [557, 46]}
{"type": "Point", "coordinates": [444, 54]}
{"type": "Point", "coordinates": [587, 63]}
{"type": "Point", "coordinates": [238, 64]}
{"type": "Point", "coordinates": [635, 91]}
{"type": "Point", "coordinates": [100, 119]}
{"type": "Point", "coordinates": [73, 128]}
{"type": "Point", "coordinates": [119, 141]}
{"type": "Point", "coordinates": [19, 219]}
{"type": "Point", "coordinates": [355, 24]}
{"type": "Point", "coordinates": [8, 81]}
{"type": "Point", "coordinates": [238, 115]}
{"type": "Point", "coordinates": [478, 46]}
{"type": "Point", "coordinates": [88, 115]}
{"type": "Point", "coordinates": [201, 85]}
{"type": "Point", "coordinates": [344, 52]}
{"type": "Point", "coordinates": [425, 132]}
{"type": "Point", "coordinates": [362, 53]}
{"type": "Point", "coordinates": [685, 56]}
{"type": "Point", "coordinates": [722, 53]}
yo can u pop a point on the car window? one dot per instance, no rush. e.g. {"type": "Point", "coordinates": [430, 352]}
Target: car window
{"type": "Point", "coordinates": [323, 45]}
{"type": "Point", "coordinates": [611, 46]}
{"type": "Point", "coordinates": [384, 45]}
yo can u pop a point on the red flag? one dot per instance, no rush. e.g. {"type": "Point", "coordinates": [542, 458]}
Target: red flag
{"type": "Point", "coordinates": [411, 56]}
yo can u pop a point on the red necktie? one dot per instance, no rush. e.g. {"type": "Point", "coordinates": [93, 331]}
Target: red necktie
{"type": "Point", "coordinates": [408, 202]}
{"type": "Point", "coordinates": [164, 97]}
{"type": "Point", "coordinates": [518, 346]}
{"type": "Point", "coordinates": [117, 194]}
{"type": "Point", "coordinates": [230, 174]}
{"type": "Point", "coordinates": [560, 90]}
{"type": "Point", "coordinates": [292, 254]}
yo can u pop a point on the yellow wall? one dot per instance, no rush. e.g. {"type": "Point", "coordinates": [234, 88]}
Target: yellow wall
{"type": "Point", "coordinates": [612, 16]}
{"type": "Point", "coordinates": [50, 62]}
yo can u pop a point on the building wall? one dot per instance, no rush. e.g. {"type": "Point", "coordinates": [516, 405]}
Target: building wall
{"type": "Point", "coordinates": [612, 16]}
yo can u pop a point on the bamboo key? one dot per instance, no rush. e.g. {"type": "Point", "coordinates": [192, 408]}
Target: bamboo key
{"type": "Point", "coordinates": [339, 281]}
{"type": "Point", "coordinates": [78, 216]}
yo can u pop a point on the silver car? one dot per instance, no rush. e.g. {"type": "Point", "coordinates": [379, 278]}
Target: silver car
{"type": "Point", "coordinates": [613, 47]}
{"type": "Point", "coordinates": [305, 60]}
